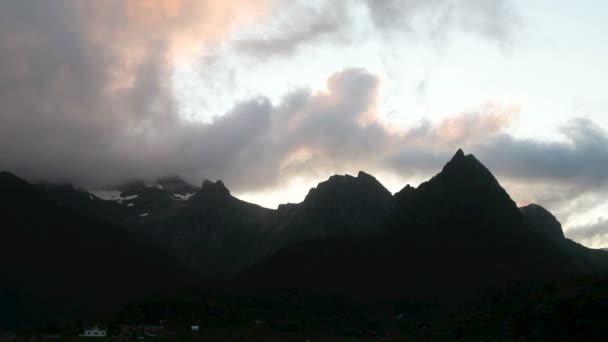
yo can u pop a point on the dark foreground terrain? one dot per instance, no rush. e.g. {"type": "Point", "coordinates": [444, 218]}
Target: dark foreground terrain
{"type": "Point", "coordinates": [572, 310]}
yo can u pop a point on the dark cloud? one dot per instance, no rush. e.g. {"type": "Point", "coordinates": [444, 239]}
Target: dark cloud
{"type": "Point", "coordinates": [582, 158]}
{"type": "Point", "coordinates": [85, 89]}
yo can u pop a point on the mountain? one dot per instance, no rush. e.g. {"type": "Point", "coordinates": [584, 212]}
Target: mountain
{"type": "Point", "coordinates": [131, 204]}
{"type": "Point", "coordinates": [454, 235]}
{"type": "Point", "coordinates": [213, 233]}
{"type": "Point", "coordinates": [342, 206]}
{"type": "Point", "coordinates": [451, 237]}
{"type": "Point", "coordinates": [58, 263]}
{"type": "Point", "coordinates": [464, 193]}
{"type": "Point", "coordinates": [542, 222]}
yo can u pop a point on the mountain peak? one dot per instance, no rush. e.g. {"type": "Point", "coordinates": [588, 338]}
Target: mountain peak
{"type": "Point", "coordinates": [363, 174]}
{"type": "Point", "coordinates": [217, 187]}
{"type": "Point", "coordinates": [340, 184]}
{"type": "Point", "coordinates": [462, 165]}
{"type": "Point", "coordinates": [459, 154]}
{"type": "Point", "coordinates": [542, 221]}
{"type": "Point", "coordinates": [464, 186]}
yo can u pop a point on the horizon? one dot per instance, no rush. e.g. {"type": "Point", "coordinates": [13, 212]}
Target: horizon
{"type": "Point", "coordinates": [275, 96]}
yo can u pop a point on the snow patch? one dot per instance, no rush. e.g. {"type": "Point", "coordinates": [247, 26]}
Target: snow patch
{"type": "Point", "coordinates": [144, 215]}
{"type": "Point", "coordinates": [111, 195]}
{"type": "Point", "coordinates": [184, 197]}
{"type": "Point", "coordinates": [130, 205]}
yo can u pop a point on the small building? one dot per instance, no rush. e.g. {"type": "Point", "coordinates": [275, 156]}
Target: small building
{"type": "Point", "coordinates": [95, 331]}
{"type": "Point", "coordinates": [195, 328]}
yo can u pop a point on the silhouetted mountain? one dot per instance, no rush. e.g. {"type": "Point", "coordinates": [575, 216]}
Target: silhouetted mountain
{"type": "Point", "coordinates": [58, 263]}
{"type": "Point", "coordinates": [463, 193]}
{"type": "Point", "coordinates": [542, 222]}
{"type": "Point", "coordinates": [451, 237]}
{"type": "Point", "coordinates": [458, 233]}
{"type": "Point", "coordinates": [69, 197]}
{"type": "Point", "coordinates": [341, 206]}
{"type": "Point", "coordinates": [404, 196]}
{"type": "Point", "coordinates": [133, 204]}
{"type": "Point", "coordinates": [214, 233]}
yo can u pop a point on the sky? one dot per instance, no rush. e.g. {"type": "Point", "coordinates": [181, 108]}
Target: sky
{"type": "Point", "coordinates": [274, 96]}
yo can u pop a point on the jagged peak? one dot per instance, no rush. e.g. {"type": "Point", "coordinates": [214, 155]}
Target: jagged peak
{"type": "Point", "coordinates": [405, 193]}
{"type": "Point", "coordinates": [460, 157]}
{"type": "Point", "coordinates": [459, 154]}
{"type": "Point", "coordinates": [469, 184]}
{"type": "Point", "coordinates": [465, 164]}
{"type": "Point", "coordinates": [407, 188]}
{"type": "Point", "coordinates": [363, 179]}
{"type": "Point", "coordinates": [216, 187]}
{"type": "Point", "coordinates": [362, 174]}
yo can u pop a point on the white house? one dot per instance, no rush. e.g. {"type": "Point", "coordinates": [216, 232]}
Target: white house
{"type": "Point", "coordinates": [95, 331]}
{"type": "Point", "coordinates": [195, 328]}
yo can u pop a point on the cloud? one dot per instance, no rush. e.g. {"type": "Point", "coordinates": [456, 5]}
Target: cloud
{"type": "Point", "coordinates": [437, 19]}
{"type": "Point", "coordinates": [85, 85]}
{"type": "Point", "coordinates": [581, 158]}
{"type": "Point", "coordinates": [594, 235]}
{"type": "Point", "coordinates": [479, 123]}
{"type": "Point", "coordinates": [298, 24]}
{"type": "Point", "coordinates": [423, 149]}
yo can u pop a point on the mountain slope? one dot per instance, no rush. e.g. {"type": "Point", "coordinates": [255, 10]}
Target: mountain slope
{"type": "Point", "coordinates": [542, 222]}
{"type": "Point", "coordinates": [456, 234]}
{"type": "Point", "coordinates": [214, 233]}
{"type": "Point", "coordinates": [342, 206]}
{"type": "Point", "coordinates": [132, 204]}
{"type": "Point", "coordinates": [56, 263]}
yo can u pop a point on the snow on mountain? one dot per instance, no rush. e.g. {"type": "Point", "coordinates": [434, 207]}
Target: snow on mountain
{"type": "Point", "coordinates": [111, 195]}
{"type": "Point", "coordinates": [184, 197]}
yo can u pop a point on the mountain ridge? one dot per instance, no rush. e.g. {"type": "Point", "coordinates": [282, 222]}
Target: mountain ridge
{"type": "Point", "coordinates": [452, 236]}
{"type": "Point", "coordinates": [461, 217]}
